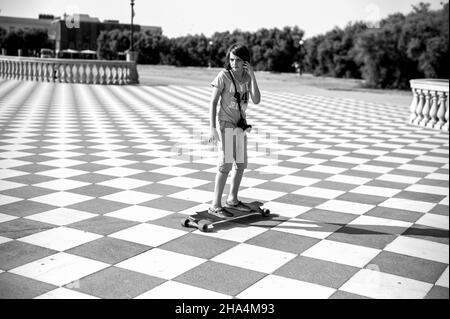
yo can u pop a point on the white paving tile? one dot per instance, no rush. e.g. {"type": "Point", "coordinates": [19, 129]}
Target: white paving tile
{"type": "Point", "coordinates": [343, 253]}
{"type": "Point", "coordinates": [131, 197]}
{"type": "Point", "coordinates": [61, 216]}
{"type": "Point", "coordinates": [428, 189]}
{"type": "Point", "coordinates": [4, 240]}
{"type": "Point", "coordinates": [376, 191]}
{"type": "Point", "coordinates": [185, 182]}
{"type": "Point", "coordinates": [345, 207]}
{"type": "Point", "coordinates": [161, 263]}
{"type": "Point", "coordinates": [347, 179]}
{"type": "Point", "coordinates": [408, 204]}
{"type": "Point", "coordinates": [276, 287]}
{"type": "Point", "coordinates": [124, 183]}
{"type": "Point", "coordinates": [61, 238]}
{"type": "Point", "coordinates": [6, 218]}
{"type": "Point", "coordinates": [176, 290]}
{"type": "Point", "coordinates": [286, 210]}
{"type": "Point", "coordinates": [318, 192]}
{"type": "Point", "coordinates": [419, 248]}
{"type": "Point", "coordinates": [5, 199]}
{"type": "Point", "coordinates": [254, 258]}
{"type": "Point", "coordinates": [174, 171]}
{"type": "Point", "coordinates": [398, 178]}
{"type": "Point", "coordinates": [260, 194]}
{"type": "Point", "coordinates": [235, 233]}
{"type": "Point", "coordinates": [139, 213]}
{"type": "Point", "coordinates": [375, 284]}
{"type": "Point", "coordinates": [307, 228]}
{"type": "Point", "coordinates": [62, 173]}
{"type": "Point", "coordinates": [443, 279]}
{"type": "Point", "coordinates": [147, 234]}
{"type": "Point", "coordinates": [326, 169]}
{"type": "Point", "coordinates": [61, 184]}
{"type": "Point", "coordinates": [59, 269]}
{"type": "Point", "coordinates": [64, 293]}
{"type": "Point", "coordinates": [296, 180]}
{"type": "Point", "coordinates": [194, 195]}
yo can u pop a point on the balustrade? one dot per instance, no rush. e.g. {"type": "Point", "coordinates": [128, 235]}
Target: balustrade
{"type": "Point", "coordinates": [429, 107]}
{"type": "Point", "coordinates": [69, 71]}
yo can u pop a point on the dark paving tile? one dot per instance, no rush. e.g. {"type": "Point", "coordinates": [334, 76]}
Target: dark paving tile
{"type": "Point", "coordinates": [317, 271]}
{"type": "Point", "coordinates": [346, 295]}
{"type": "Point", "coordinates": [440, 210]}
{"type": "Point", "coordinates": [92, 178]}
{"type": "Point", "coordinates": [199, 246]}
{"type": "Point", "coordinates": [283, 241]}
{"type": "Point", "coordinates": [362, 198]}
{"type": "Point", "coordinates": [21, 227]}
{"type": "Point", "coordinates": [108, 250]}
{"type": "Point", "coordinates": [431, 198]}
{"type": "Point", "coordinates": [327, 216]}
{"type": "Point", "coordinates": [433, 182]}
{"type": "Point", "coordinates": [207, 176]}
{"type": "Point", "coordinates": [220, 277]}
{"type": "Point", "coordinates": [117, 283]}
{"type": "Point", "coordinates": [438, 292]}
{"type": "Point", "coordinates": [301, 200]}
{"type": "Point", "coordinates": [143, 166]}
{"type": "Point", "coordinates": [95, 190]}
{"type": "Point", "coordinates": [89, 167]}
{"type": "Point", "coordinates": [89, 158]}
{"type": "Point", "coordinates": [386, 184]}
{"type": "Point", "coordinates": [171, 221]}
{"type": "Point", "coordinates": [27, 192]}
{"type": "Point", "coordinates": [392, 213]}
{"type": "Point", "coordinates": [335, 186]}
{"type": "Point", "coordinates": [170, 204]}
{"type": "Point", "coordinates": [34, 168]}
{"type": "Point", "coordinates": [362, 237]}
{"type": "Point", "coordinates": [159, 189]}
{"type": "Point", "coordinates": [408, 173]}
{"type": "Point", "coordinates": [409, 267]}
{"type": "Point", "coordinates": [311, 174]}
{"type": "Point", "coordinates": [30, 179]}
{"type": "Point", "coordinates": [19, 287]}
{"type": "Point", "coordinates": [25, 208]}
{"type": "Point", "coordinates": [151, 177]}
{"type": "Point", "coordinates": [35, 158]}
{"type": "Point", "coordinates": [98, 206]}
{"type": "Point", "coordinates": [102, 225]}
{"type": "Point", "coordinates": [15, 253]}
{"type": "Point", "coordinates": [428, 233]}
{"type": "Point", "coordinates": [364, 174]}
{"type": "Point", "coordinates": [279, 187]}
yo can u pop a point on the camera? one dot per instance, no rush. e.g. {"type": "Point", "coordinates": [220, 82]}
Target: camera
{"type": "Point", "coordinates": [242, 123]}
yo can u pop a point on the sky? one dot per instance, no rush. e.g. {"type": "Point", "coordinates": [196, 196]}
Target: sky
{"type": "Point", "coordinates": [182, 17]}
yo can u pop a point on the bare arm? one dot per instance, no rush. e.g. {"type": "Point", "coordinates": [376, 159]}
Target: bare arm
{"type": "Point", "coordinates": [213, 137]}
{"type": "Point", "coordinates": [254, 89]}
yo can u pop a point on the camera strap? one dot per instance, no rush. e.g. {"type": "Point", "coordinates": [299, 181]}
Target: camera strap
{"type": "Point", "coordinates": [236, 90]}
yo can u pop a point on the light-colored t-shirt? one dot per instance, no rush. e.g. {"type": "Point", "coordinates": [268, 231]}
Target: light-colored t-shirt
{"type": "Point", "coordinates": [229, 109]}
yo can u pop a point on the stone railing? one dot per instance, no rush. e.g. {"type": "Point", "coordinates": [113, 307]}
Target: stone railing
{"type": "Point", "coordinates": [429, 107]}
{"type": "Point", "coordinates": [68, 70]}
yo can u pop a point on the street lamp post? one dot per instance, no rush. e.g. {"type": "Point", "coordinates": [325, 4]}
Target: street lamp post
{"type": "Point", "coordinates": [300, 58]}
{"type": "Point", "coordinates": [131, 54]}
{"type": "Point", "coordinates": [210, 43]}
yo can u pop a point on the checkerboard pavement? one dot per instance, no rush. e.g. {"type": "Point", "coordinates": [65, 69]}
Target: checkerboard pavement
{"type": "Point", "coordinates": [94, 181]}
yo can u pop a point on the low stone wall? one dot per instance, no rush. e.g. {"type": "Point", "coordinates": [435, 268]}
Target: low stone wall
{"type": "Point", "coordinates": [429, 107]}
{"type": "Point", "coordinates": [68, 70]}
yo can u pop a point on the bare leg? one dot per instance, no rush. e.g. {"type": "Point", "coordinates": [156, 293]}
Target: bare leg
{"type": "Point", "coordinates": [221, 179]}
{"type": "Point", "coordinates": [236, 179]}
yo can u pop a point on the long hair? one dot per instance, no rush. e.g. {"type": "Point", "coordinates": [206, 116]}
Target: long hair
{"type": "Point", "coordinates": [239, 50]}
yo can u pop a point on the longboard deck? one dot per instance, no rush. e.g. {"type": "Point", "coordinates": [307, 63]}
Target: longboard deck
{"type": "Point", "coordinates": [205, 221]}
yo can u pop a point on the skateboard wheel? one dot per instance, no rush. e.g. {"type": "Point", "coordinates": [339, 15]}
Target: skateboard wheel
{"type": "Point", "coordinates": [185, 222]}
{"type": "Point", "coordinates": [204, 226]}
{"type": "Point", "coordinates": [265, 212]}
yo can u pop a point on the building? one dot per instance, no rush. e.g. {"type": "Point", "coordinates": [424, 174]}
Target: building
{"type": "Point", "coordinates": [77, 32]}
{"type": "Point", "coordinates": [44, 21]}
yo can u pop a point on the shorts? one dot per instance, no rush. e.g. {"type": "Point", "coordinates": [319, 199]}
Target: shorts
{"type": "Point", "coordinates": [233, 147]}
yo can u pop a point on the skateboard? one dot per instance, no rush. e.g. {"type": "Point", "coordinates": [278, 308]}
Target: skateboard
{"type": "Point", "coordinates": [205, 221]}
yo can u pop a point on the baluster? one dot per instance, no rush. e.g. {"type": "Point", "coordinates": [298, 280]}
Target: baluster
{"type": "Point", "coordinates": [441, 110]}
{"type": "Point", "coordinates": [36, 75]}
{"type": "Point", "coordinates": [445, 126]}
{"type": "Point", "coordinates": [103, 77]}
{"type": "Point", "coordinates": [426, 108]}
{"type": "Point", "coordinates": [420, 106]}
{"type": "Point", "coordinates": [121, 75]}
{"type": "Point", "coordinates": [83, 75]}
{"type": "Point", "coordinates": [42, 67]}
{"type": "Point", "coordinates": [433, 110]}
{"type": "Point", "coordinates": [108, 74]}
{"type": "Point", "coordinates": [116, 73]}
{"type": "Point", "coordinates": [21, 70]}
{"type": "Point", "coordinates": [15, 70]}
{"type": "Point", "coordinates": [89, 78]}
{"type": "Point", "coordinates": [96, 69]}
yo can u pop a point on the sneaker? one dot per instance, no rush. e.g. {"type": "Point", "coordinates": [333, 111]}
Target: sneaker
{"type": "Point", "coordinates": [238, 205]}
{"type": "Point", "coordinates": [219, 212]}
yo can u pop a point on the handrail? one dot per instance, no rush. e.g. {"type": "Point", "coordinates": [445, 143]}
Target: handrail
{"type": "Point", "coordinates": [69, 70]}
{"type": "Point", "coordinates": [429, 107]}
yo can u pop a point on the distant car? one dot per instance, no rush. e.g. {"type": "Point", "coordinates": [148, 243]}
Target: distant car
{"type": "Point", "coordinates": [47, 53]}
